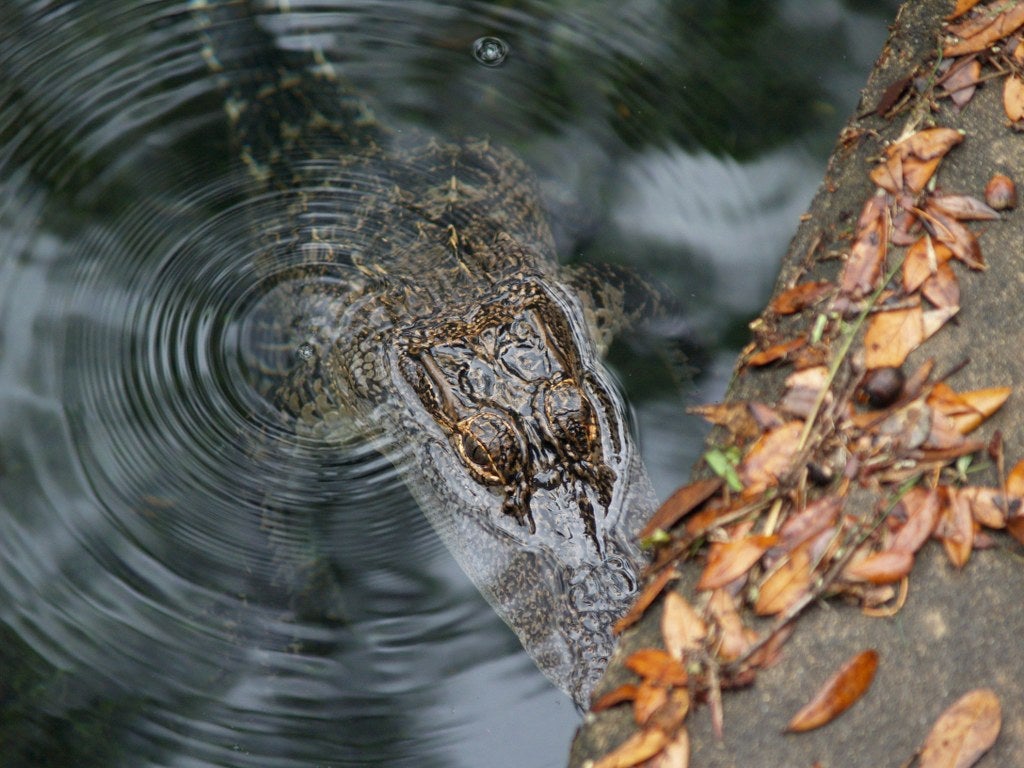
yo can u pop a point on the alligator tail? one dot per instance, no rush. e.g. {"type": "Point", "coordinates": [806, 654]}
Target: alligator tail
{"type": "Point", "coordinates": [280, 104]}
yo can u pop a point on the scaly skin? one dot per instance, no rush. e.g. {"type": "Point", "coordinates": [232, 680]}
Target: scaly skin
{"type": "Point", "coordinates": [417, 299]}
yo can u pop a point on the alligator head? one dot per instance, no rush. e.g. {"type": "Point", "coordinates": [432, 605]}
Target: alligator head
{"type": "Point", "coordinates": [532, 476]}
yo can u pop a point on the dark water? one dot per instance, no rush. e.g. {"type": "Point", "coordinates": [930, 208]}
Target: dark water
{"type": "Point", "coordinates": [145, 619]}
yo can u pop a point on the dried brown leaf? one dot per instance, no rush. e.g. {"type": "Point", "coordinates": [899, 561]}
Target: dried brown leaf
{"type": "Point", "coordinates": [964, 207]}
{"type": "Point", "coordinates": [729, 560]}
{"type": "Point", "coordinates": [891, 336]}
{"type": "Point", "coordinates": [682, 628]}
{"type": "Point", "coordinates": [676, 753]}
{"type": "Point", "coordinates": [956, 530]}
{"type": "Point", "coordinates": [656, 666]}
{"type": "Point", "coordinates": [680, 504]}
{"type": "Point", "coordinates": [883, 567]}
{"type": "Point", "coordinates": [789, 582]}
{"type": "Point", "coordinates": [634, 750]}
{"type": "Point", "coordinates": [967, 409]}
{"type": "Point", "coordinates": [943, 289]}
{"type": "Point", "coordinates": [820, 515]}
{"type": "Point", "coordinates": [863, 268]}
{"type": "Point", "coordinates": [962, 7]}
{"type": "Point", "coordinates": [929, 144]}
{"type": "Point", "coordinates": [974, 24]}
{"type": "Point", "coordinates": [736, 418]}
{"type": "Point", "coordinates": [960, 239]}
{"type": "Point", "coordinates": [803, 388]}
{"type": "Point", "coordinates": [1004, 24]}
{"type": "Point", "coordinates": [799, 297]}
{"type": "Point", "coordinates": [644, 600]}
{"type": "Point", "coordinates": [734, 637]}
{"type": "Point", "coordinates": [770, 457]}
{"type": "Point", "coordinates": [650, 697]}
{"type": "Point", "coordinates": [776, 352]}
{"type": "Point", "coordinates": [921, 506]}
{"type": "Point", "coordinates": [838, 694]}
{"type": "Point", "coordinates": [962, 82]}
{"type": "Point", "coordinates": [625, 692]}
{"type": "Point", "coordinates": [987, 505]}
{"type": "Point", "coordinates": [1015, 480]}
{"type": "Point", "coordinates": [964, 732]}
{"type": "Point", "coordinates": [922, 261]}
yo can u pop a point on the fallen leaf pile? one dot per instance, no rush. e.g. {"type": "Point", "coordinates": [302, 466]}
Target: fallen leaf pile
{"type": "Point", "coordinates": [833, 489]}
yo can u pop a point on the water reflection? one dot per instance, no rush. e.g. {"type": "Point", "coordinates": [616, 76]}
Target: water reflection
{"type": "Point", "coordinates": [146, 617]}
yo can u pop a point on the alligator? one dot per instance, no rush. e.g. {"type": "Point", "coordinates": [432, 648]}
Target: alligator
{"type": "Point", "coordinates": [413, 297]}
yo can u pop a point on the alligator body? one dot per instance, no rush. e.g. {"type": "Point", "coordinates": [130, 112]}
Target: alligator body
{"type": "Point", "coordinates": [413, 296]}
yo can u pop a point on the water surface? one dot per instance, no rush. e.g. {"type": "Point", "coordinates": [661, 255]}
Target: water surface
{"type": "Point", "coordinates": [147, 615]}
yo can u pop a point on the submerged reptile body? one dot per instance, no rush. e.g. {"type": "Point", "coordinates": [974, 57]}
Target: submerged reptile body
{"type": "Point", "coordinates": [414, 298]}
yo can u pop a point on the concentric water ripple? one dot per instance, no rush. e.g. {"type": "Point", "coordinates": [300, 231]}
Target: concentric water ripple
{"type": "Point", "coordinates": [186, 579]}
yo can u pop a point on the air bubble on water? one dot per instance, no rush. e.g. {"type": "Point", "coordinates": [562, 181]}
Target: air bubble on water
{"type": "Point", "coordinates": [305, 351]}
{"type": "Point", "coordinates": [490, 51]}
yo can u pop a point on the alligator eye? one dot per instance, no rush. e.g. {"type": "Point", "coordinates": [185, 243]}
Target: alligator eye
{"type": "Point", "coordinates": [571, 418]}
{"type": "Point", "coordinates": [489, 446]}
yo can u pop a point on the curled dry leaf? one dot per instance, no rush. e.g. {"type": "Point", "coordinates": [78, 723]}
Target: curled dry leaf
{"type": "Point", "coordinates": [967, 409]}
{"type": "Point", "coordinates": [922, 261]}
{"type": "Point", "coordinates": [776, 352]}
{"type": "Point", "coordinates": [962, 7]}
{"type": "Point", "coordinates": [960, 239]}
{"type": "Point", "coordinates": [964, 732]}
{"type": "Point", "coordinates": [1013, 98]}
{"type": "Point", "coordinates": [634, 750]}
{"type": "Point", "coordinates": [676, 753]}
{"type": "Point", "coordinates": [770, 457]}
{"type": "Point", "coordinates": [921, 506]}
{"type": "Point", "coordinates": [883, 567]}
{"type": "Point", "coordinates": [962, 82]}
{"type": "Point", "coordinates": [625, 692]}
{"type": "Point", "coordinates": [650, 697]}
{"type": "Point", "coordinates": [680, 504]}
{"type": "Point", "coordinates": [682, 628]}
{"type": "Point", "coordinates": [803, 388]}
{"type": "Point", "coordinates": [656, 666]}
{"type": "Point", "coordinates": [735, 417]}
{"type": "Point", "coordinates": [1015, 480]}
{"type": "Point", "coordinates": [863, 269]}
{"type": "Point", "coordinates": [818, 516]}
{"type": "Point", "coordinates": [943, 289]}
{"type": "Point", "coordinates": [1004, 24]}
{"type": "Point", "coordinates": [838, 693]}
{"type": "Point", "coordinates": [956, 530]}
{"type": "Point", "coordinates": [891, 336]}
{"type": "Point", "coordinates": [928, 144]}
{"type": "Point", "coordinates": [800, 297]}
{"type": "Point", "coordinates": [963, 207]}
{"type": "Point", "coordinates": [987, 505]}
{"type": "Point", "coordinates": [910, 163]}
{"type": "Point", "coordinates": [729, 560]}
{"type": "Point", "coordinates": [733, 636]}
{"type": "Point", "coordinates": [789, 582]}
{"type": "Point", "coordinates": [646, 597]}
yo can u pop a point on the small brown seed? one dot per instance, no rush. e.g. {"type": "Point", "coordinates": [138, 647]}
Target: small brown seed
{"type": "Point", "coordinates": [1001, 192]}
{"type": "Point", "coordinates": [881, 387]}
